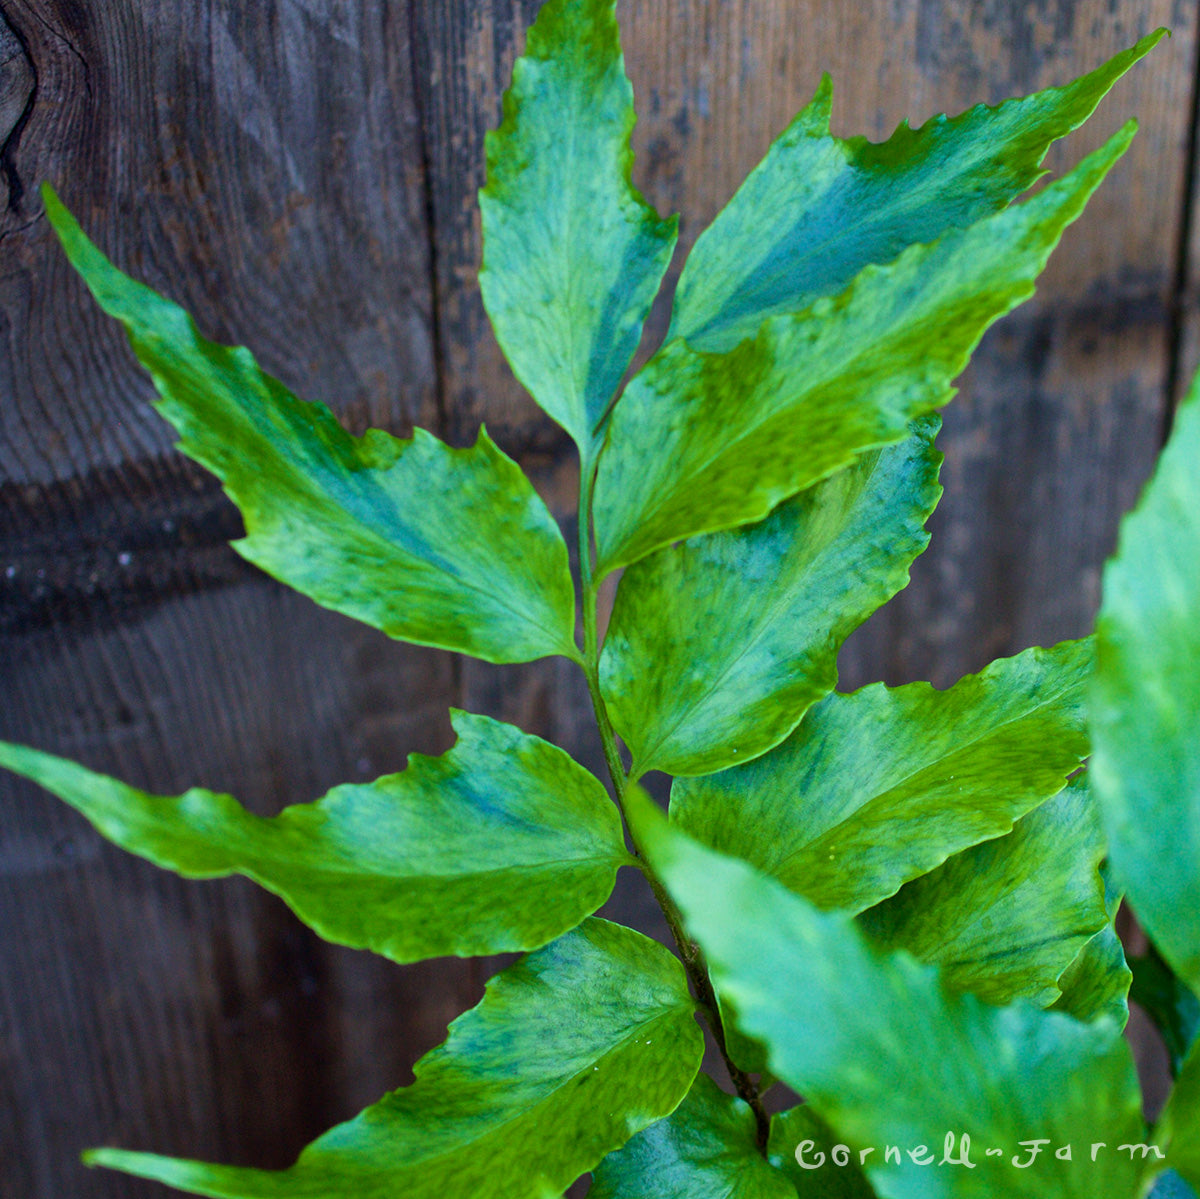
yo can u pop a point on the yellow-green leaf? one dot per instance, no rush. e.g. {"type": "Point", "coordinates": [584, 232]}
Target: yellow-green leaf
{"type": "Point", "coordinates": [879, 787]}
{"type": "Point", "coordinates": [718, 646]}
{"type": "Point", "coordinates": [703, 441]}
{"type": "Point", "coordinates": [500, 844]}
{"type": "Point", "coordinates": [572, 253]}
{"type": "Point", "coordinates": [705, 1149]}
{"type": "Point", "coordinates": [444, 547]}
{"type": "Point", "coordinates": [1145, 702]}
{"type": "Point", "coordinates": [1006, 918]}
{"type": "Point", "coordinates": [572, 1051]}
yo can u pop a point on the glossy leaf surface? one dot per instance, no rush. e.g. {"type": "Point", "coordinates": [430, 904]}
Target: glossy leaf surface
{"type": "Point", "coordinates": [705, 1149]}
{"type": "Point", "coordinates": [444, 547]}
{"type": "Point", "coordinates": [572, 1051]}
{"type": "Point", "coordinates": [1005, 918]}
{"type": "Point", "coordinates": [888, 1057]}
{"type": "Point", "coordinates": [718, 646]}
{"type": "Point", "coordinates": [878, 787]}
{"type": "Point", "coordinates": [1097, 982]}
{"type": "Point", "coordinates": [1146, 701]}
{"type": "Point", "coordinates": [572, 254]}
{"type": "Point", "coordinates": [733, 434]}
{"type": "Point", "coordinates": [502, 843]}
{"type": "Point", "coordinates": [819, 208]}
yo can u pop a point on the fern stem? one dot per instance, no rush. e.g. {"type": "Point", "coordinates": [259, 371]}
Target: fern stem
{"type": "Point", "coordinates": [689, 952]}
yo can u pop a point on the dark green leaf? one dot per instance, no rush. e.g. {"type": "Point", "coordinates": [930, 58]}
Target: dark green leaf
{"type": "Point", "coordinates": [572, 254]}
{"type": "Point", "coordinates": [887, 1056]}
{"type": "Point", "coordinates": [1005, 918]}
{"type": "Point", "coordinates": [1145, 708]}
{"type": "Point", "coordinates": [572, 1051]}
{"type": "Point", "coordinates": [1178, 1129]}
{"type": "Point", "coordinates": [818, 208]}
{"type": "Point", "coordinates": [718, 646]}
{"type": "Point", "coordinates": [733, 434]}
{"type": "Point", "coordinates": [444, 547]}
{"type": "Point", "coordinates": [823, 1175]}
{"type": "Point", "coordinates": [502, 843]}
{"type": "Point", "coordinates": [878, 787]}
{"type": "Point", "coordinates": [1173, 1008]}
{"type": "Point", "coordinates": [1097, 982]}
{"type": "Point", "coordinates": [705, 1149]}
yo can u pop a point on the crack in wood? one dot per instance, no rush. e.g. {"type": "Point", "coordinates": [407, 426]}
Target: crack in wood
{"type": "Point", "coordinates": [18, 92]}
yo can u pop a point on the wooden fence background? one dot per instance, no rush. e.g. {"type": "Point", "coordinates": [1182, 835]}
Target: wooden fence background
{"type": "Point", "coordinates": [301, 174]}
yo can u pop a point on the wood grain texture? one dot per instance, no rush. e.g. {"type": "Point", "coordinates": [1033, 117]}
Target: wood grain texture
{"type": "Point", "coordinates": [301, 174]}
{"type": "Point", "coordinates": [199, 1018]}
{"type": "Point", "coordinates": [260, 169]}
{"type": "Point", "coordinates": [263, 169]}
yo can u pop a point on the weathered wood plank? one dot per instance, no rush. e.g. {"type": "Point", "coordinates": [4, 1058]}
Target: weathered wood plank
{"type": "Point", "coordinates": [263, 169]}
{"type": "Point", "coordinates": [199, 1018]}
{"type": "Point", "coordinates": [260, 168]}
{"type": "Point", "coordinates": [1186, 301]}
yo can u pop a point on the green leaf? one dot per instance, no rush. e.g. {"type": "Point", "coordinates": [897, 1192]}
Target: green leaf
{"type": "Point", "coordinates": [444, 547]}
{"type": "Point", "coordinates": [879, 787]}
{"type": "Point", "coordinates": [1173, 1008]}
{"type": "Point", "coordinates": [705, 1149]}
{"type": "Point", "coordinates": [1005, 918]}
{"type": "Point", "coordinates": [572, 1051]}
{"type": "Point", "coordinates": [819, 208]}
{"type": "Point", "coordinates": [500, 844]}
{"type": "Point", "coordinates": [718, 646]}
{"type": "Point", "coordinates": [736, 433]}
{"type": "Point", "coordinates": [822, 1176]}
{"type": "Point", "coordinates": [572, 253]}
{"type": "Point", "coordinates": [887, 1056]}
{"type": "Point", "coordinates": [1145, 701]}
{"type": "Point", "coordinates": [1178, 1128]}
{"type": "Point", "coordinates": [1097, 982]}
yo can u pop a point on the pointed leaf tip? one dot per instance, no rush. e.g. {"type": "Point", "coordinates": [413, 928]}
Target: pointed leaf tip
{"type": "Point", "coordinates": [573, 255]}
{"type": "Point", "coordinates": [815, 117]}
{"type": "Point", "coordinates": [739, 430]}
{"type": "Point", "coordinates": [818, 208]}
{"type": "Point", "coordinates": [830, 810]}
